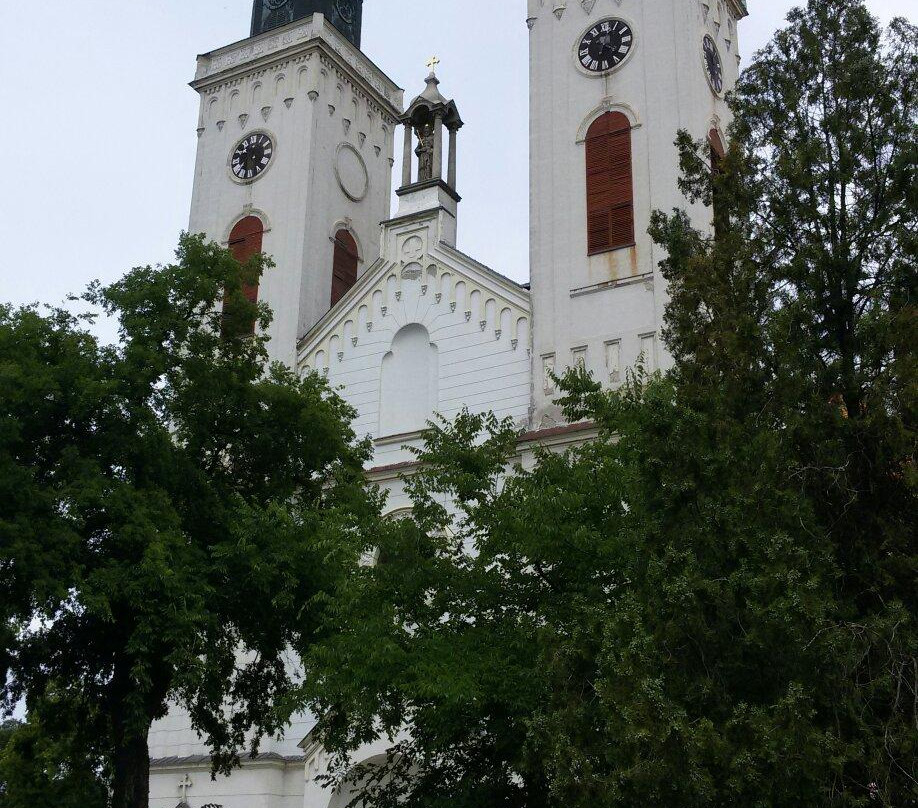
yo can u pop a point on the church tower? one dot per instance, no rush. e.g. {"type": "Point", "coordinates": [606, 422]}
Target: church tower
{"type": "Point", "coordinates": [295, 155]}
{"type": "Point", "coordinates": [612, 82]}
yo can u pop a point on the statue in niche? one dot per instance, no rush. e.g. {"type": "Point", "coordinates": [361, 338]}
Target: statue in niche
{"type": "Point", "coordinates": [425, 151]}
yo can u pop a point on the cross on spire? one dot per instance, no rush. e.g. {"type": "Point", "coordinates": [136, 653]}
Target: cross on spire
{"type": "Point", "coordinates": [184, 784]}
{"type": "Point", "coordinates": [432, 64]}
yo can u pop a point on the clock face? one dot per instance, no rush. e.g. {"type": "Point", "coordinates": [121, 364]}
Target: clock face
{"type": "Point", "coordinates": [252, 156]}
{"type": "Point", "coordinates": [605, 45]}
{"type": "Point", "coordinates": [345, 10]}
{"type": "Point", "coordinates": [275, 4]}
{"type": "Point", "coordinates": [713, 67]}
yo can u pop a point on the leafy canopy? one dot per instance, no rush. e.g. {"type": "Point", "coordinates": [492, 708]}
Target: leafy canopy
{"type": "Point", "coordinates": [170, 511]}
{"type": "Point", "coordinates": [712, 604]}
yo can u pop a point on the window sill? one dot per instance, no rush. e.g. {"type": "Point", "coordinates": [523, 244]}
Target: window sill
{"type": "Point", "coordinates": [611, 249]}
{"type": "Point", "coordinates": [646, 278]}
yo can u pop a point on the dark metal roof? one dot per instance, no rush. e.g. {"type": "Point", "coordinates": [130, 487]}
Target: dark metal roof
{"type": "Point", "coordinates": [345, 15]}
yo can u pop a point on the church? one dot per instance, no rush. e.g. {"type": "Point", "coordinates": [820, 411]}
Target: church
{"type": "Point", "coordinates": [297, 137]}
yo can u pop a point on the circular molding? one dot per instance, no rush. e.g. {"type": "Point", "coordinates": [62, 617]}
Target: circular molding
{"type": "Point", "coordinates": [232, 151]}
{"type": "Point", "coordinates": [575, 50]}
{"type": "Point", "coordinates": [704, 64]}
{"type": "Point", "coordinates": [413, 248]}
{"type": "Point", "coordinates": [352, 173]}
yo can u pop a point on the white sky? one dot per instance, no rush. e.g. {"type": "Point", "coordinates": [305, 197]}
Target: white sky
{"type": "Point", "coordinates": [100, 124]}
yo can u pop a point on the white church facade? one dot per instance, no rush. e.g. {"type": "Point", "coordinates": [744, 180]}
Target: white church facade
{"type": "Point", "coordinates": [297, 137]}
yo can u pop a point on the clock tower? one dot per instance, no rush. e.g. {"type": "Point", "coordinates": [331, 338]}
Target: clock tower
{"type": "Point", "coordinates": [612, 82]}
{"type": "Point", "coordinates": [345, 15]}
{"type": "Point", "coordinates": [295, 153]}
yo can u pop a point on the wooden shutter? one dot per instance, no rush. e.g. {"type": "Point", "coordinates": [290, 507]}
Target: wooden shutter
{"type": "Point", "coordinates": [610, 187]}
{"type": "Point", "coordinates": [717, 148]}
{"type": "Point", "coordinates": [717, 157]}
{"type": "Point", "coordinates": [245, 242]}
{"type": "Point", "coordinates": [344, 266]}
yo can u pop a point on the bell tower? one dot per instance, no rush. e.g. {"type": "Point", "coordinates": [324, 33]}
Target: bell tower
{"type": "Point", "coordinates": [345, 15]}
{"type": "Point", "coordinates": [612, 82]}
{"type": "Point", "coordinates": [295, 152]}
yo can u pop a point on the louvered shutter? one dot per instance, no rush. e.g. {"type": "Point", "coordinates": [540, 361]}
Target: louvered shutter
{"type": "Point", "coordinates": [717, 157]}
{"type": "Point", "coordinates": [245, 242]}
{"type": "Point", "coordinates": [610, 193]}
{"type": "Point", "coordinates": [344, 266]}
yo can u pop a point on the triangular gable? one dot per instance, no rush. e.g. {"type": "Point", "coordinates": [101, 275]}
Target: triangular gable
{"type": "Point", "coordinates": [431, 287]}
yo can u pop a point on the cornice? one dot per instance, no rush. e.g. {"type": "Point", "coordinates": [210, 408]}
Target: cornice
{"type": "Point", "coordinates": [738, 8]}
{"type": "Point", "coordinates": [313, 34]}
{"type": "Point", "coordinates": [558, 7]}
{"type": "Point", "coordinates": [205, 762]}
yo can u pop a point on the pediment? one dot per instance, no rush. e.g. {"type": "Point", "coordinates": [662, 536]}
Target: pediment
{"type": "Point", "coordinates": [439, 288]}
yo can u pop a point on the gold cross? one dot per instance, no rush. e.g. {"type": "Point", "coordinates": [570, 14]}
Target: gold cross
{"type": "Point", "coordinates": [432, 64]}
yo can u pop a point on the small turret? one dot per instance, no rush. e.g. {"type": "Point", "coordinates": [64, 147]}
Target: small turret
{"type": "Point", "coordinates": [425, 120]}
{"type": "Point", "coordinates": [430, 186]}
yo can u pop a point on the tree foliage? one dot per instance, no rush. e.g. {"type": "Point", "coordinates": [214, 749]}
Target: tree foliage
{"type": "Point", "coordinates": [168, 506]}
{"type": "Point", "coordinates": [41, 768]}
{"type": "Point", "coordinates": [714, 603]}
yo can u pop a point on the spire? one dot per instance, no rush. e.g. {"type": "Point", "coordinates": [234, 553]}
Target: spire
{"type": "Point", "coordinates": [345, 15]}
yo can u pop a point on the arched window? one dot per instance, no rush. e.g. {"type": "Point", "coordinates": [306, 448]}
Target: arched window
{"type": "Point", "coordinates": [610, 191]}
{"type": "Point", "coordinates": [245, 242]}
{"type": "Point", "coordinates": [717, 158]}
{"type": "Point", "coordinates": [344, 267]}
{"type": "Point", "coordinates": [717, 148]}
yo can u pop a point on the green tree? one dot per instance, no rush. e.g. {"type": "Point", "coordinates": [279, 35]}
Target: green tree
{"type": "Point", "coordinates": [7, 730]}
{"type": "Point", "coordinates": [169, 512]}
{"type": "Point", "coordinates": [42, 768]}
{"type": "Point", "coordinates": [714, 603]}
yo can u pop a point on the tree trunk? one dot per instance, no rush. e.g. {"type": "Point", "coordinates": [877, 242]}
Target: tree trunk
{"type": "Point", "coordinates": [131, 776]}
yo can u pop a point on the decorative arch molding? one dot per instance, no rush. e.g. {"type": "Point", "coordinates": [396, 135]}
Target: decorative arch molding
{"type": "Point", "coordinates": [608, 105]}
{"type": "Point", "coordinates": [247, 211]}
{"type": "Point", "coordinates": [399, 513]}
{"type": "Point", "coordinates": [347, 224]}
{"type": "Point", "coordinates": [716, 137]}
{"type": "Point", "coordinates": [447, 298]}
{"type": "Point", "coordinates": [344, 795]}
{"type": "Point", "coordinates": [409, 387]}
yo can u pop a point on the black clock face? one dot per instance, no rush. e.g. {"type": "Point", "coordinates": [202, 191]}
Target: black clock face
{"type": "Point", "coordinates": [275, 4]}
{"type": "Point", "coordinates": [346, 10]}
{"type": "Point", "coordinates": [252, 156]}
{"type": "Point", "coordinates": [712, 65]}
{"type": "Point", "coordinates": [605, 45]}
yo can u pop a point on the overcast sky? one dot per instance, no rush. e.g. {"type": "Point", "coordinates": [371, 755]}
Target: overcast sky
{"type": "Point", "coordinates": [100, 133]}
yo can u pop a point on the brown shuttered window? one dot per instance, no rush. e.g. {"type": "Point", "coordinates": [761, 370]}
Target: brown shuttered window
{"type": "Point", "coordinates": [245, 242]}
{"type": "Point", "coordinates": [610, 190]}
{"type": "Point", "coordinates": [344, 268]}
{"type": "Point", "coordinates": [717, 157]}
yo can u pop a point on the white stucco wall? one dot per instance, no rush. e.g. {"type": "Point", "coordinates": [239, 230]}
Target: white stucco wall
{"type": "Point", "coordinates": [581, 303]}
{"type": "Point", "coordinates": [331, 114]}
{"type": "Point", "coordinates": [262, 784]}
{"type": "Point", "coordinates": [475, 323]}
